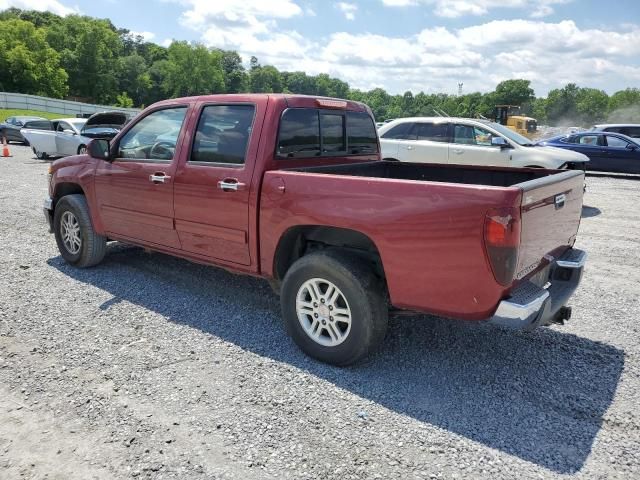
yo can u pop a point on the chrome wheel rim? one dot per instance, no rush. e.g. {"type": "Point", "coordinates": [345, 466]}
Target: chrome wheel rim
{"type": "Point", "coordinates": [70, 232]}
{"type": "Point", "coordinates": [323, 312]}
{"type": "Point", "coordinates": [82, 150]}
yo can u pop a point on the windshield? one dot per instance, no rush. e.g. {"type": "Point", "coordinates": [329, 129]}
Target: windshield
{"type": "Point", "coordinates": [510, 134]}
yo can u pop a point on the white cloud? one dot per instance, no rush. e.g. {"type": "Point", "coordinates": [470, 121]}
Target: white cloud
{"type": "Point", "coordinates": [459, 8]}
{"type": "Point", "coordinates": [53, 6]}
{"type": "Point", "coordinates": [348, 9]}
{"type": "Point", "coordinates": [166, 42]}
{"type": "Point", "coordinates": [435, 59]}
{"type": "Point", "coordinates": [148, 36]}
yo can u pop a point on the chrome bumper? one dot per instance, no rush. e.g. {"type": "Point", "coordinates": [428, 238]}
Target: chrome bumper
{"type": "Point", "coordinates": [530, 305]}
{"type": "Point", "coordinates": [48, 213]}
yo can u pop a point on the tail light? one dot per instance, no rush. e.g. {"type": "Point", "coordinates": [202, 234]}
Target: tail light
{"type": "Point", "coordinates": [501, 240]}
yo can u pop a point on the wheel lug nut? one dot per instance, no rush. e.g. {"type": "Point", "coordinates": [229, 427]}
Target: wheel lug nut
{"type": "Point", "coordinates": [324, 322]}
{"type": "Point", "coordinates": [322, 300]}
{"type": "Point", "coordinates": [330, 307]}
{"type": "Point", "coordinates": [315, 315]}
{"type": "Point", "coordinates": [331, 318]}
{"type": "Point", "coordinates": [315, 305]}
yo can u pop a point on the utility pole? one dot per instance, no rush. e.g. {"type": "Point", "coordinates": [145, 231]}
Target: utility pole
{"type": "Point", "coordinates": [460, 88]}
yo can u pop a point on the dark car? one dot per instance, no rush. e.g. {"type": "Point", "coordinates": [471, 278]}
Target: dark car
{"type": "Point", "coordinates": [608, 152]}
{"type": "Point", "coordinates": [10, 128]}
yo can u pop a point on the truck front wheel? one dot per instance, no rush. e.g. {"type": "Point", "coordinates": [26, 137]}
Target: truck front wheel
{"type": "Point", "coordinates": [334, 307]}
{"type": "Point", "coordinates": [78, 243]}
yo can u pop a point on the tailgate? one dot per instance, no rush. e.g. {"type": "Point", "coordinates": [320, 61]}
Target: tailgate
{"type": "Point", "coordinates": [551, 210]}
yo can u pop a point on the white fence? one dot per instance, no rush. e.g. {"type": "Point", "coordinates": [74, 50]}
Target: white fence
{"type": "Point", "coordinates": [52, 105]}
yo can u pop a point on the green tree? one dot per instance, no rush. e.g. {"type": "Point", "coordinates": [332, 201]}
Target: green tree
{"type": "Point", "coordinates": [514, 92]}
{"type": "Point", "coordinates": [592, 105]}
{"type": "Point", "coordinates": [235, 76]}
{"type": "Point", "coordinates": [134, 78]}
{"type": "Point", "coordinates": [27, 63]}
{"type": "Point", "coordinates": [265, 79]}
{"type": "Point", "coordinates": [192, 70]}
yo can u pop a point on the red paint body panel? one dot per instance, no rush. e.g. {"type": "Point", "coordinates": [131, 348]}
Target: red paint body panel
{"type": "Point", "coordinates": [429, 234]}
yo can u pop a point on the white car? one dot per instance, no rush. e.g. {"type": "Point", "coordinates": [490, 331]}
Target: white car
{"type": "Point", "coordinates": [70, 136]}
{"type": "Point", "coordinates": [468, 141]}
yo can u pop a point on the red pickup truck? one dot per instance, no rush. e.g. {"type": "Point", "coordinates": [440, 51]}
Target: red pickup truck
{"type": "Point", "coordinates": [291, 188]}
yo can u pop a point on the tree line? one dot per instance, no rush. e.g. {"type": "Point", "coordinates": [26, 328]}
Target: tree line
{"type": "Point", "coordinates": [92, 60]}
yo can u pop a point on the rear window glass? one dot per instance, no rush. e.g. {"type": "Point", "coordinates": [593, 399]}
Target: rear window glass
{"type": "Point", "coordinates": [362, 137]}
{"type": "Point", "coordinates": [299, 133]}
{"type": "Point", "coordinates": [333, 138]}
{"type": "Point", "coordinates": [308, 132]}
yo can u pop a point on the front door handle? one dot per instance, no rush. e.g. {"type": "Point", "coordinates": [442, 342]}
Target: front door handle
{"type": "Point", "coordinates": [159, 177]}
{"type": "Point", "coordinates": [230, 185]}
{"type": "Point", "coordinates": [457, 151]}
{"type": "Point", "coordinates": [409, 147]}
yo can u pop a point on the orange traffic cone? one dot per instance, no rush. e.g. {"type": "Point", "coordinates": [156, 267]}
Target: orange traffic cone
{"type": "Point", "coordinates": [5, 148]}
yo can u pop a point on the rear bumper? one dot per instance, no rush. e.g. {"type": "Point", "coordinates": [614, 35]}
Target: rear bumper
{"type": "Point", "coordinates": [48, 213]}
{"type": "Point", "coordinates": [530, 306]}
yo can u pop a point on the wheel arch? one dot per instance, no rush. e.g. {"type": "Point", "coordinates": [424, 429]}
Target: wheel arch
{"type": "Point", "coordinates": [302, 239]}
{"type": "Point", "coordinates": [66, 188]}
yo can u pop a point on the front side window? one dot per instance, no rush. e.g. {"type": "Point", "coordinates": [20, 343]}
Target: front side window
{"type": "Point", "coordinates": [223, 134]}
{"type": "Point", "coordinates": [62, 126]}
{"type": "Point", "coordinates": [154, 137]}
{"type": "Point", "coordinates": [434, 132]}
{"type": "Point", "coordinates": [470, 135]}
{"type": "Point", "coordinates": [616, 142]}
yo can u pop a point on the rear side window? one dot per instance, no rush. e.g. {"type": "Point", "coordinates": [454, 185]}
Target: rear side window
{"type": "Point", "coordinates": [434, 132]}
{"type": "Point", "coordinates": [223, 134]}
{"type": "Point", "coordinates": [309, 132]}
{"type": "Point", "coordinates": [631, 131]}
{"type": "Point", "coordinates": [401, 132]}
{"type": "Point", "coordinates": [38, 125]}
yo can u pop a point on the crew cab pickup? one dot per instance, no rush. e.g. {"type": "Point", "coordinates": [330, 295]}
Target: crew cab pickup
{"type": "Point", "coordinates": [292, 188]}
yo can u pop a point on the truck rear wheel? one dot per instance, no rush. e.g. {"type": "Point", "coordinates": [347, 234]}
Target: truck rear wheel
{"type": "Point", "coordinates": [78, 243]}
{"type": "Point", "coordinates": [334, 307]}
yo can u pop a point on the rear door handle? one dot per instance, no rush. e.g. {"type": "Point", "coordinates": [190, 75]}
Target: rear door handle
{"type": "Point", "coordinates": [230, 185]}
{"type": "Point", "coordinates": [458, 151]}
{"type": "Point", "coordinates": [159, 177]}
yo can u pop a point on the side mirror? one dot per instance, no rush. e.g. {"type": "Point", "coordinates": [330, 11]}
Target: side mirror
{"type": "Point", "coordinates": [68, 131]}
{"type": "Point", "coordinates": [99, 148]}
{"type": "Point", "coordinates": [631, 147]}
{"type": "Point", "coordinates": [499, 142]}
{"type": "Point", "coordinates": [18, 124]}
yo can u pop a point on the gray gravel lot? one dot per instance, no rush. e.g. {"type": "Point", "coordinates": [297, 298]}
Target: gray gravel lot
{"type": "Point", "coordinates": [149, 366]}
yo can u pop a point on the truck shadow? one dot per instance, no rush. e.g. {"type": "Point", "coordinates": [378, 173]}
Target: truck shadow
{"type": "Point", "coordinates": [539, 396]}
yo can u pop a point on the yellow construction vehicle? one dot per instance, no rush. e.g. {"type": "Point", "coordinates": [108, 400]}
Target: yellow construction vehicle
{"type": "Point", "coordinates": [509, 115]}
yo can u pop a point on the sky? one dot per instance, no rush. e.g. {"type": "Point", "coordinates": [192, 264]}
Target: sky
{"type": "Point", "coordinates": [400, 45]}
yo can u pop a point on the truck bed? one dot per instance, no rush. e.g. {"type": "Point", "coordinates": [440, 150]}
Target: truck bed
{"type": "Point", "coordinates": [427, 222]}
{"type": "Point", "coordinates": [464, 174]}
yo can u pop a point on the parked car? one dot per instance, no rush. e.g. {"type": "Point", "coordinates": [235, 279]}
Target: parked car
{"type": "Point", "coordinates": [10, 128]}
{"type": "Point", "coordinates": [629, 129]}
{"type": "Point", "coordinates": [70, 136]}
{"type": "Point", "coordinates": [292, 188]}
{"type": "Point", "coordinates": [466, 141]}
{"type": "Point", "coordinates": [609, 152]}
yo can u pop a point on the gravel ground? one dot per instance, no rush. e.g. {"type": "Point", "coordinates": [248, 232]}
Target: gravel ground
{"type": "Point", "coordinates": [152, 367]}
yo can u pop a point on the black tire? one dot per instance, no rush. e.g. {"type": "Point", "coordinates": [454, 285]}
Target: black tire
{"type": "Point", "coordinates": [93, 247]}
{"type": "Point", "coordinates": [363, 292]}
{"type": "Point", "coordinates": [82, 149]}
